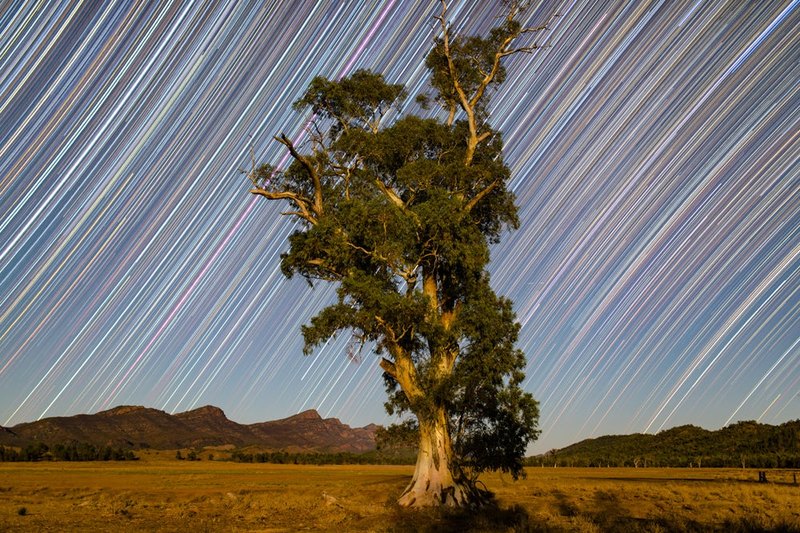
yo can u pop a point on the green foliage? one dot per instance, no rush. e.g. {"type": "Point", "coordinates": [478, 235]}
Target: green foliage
{"type": "Point", "coordinates": [473, 58]}
{"type": "Point", "coordinates": [359, 101]}
{"type": "Point", "coordinates": [747, 444]}
{"type": "Point", "coordinates": [397, 436]}
{"type": "Point", "coordinates": [377, 457]}
{"type": "Point", "coordinates": [73, 451]}
{"type": "Point", "coordinates": [31, 452]}
{"type": "Point", "coordinates": [89, 452]}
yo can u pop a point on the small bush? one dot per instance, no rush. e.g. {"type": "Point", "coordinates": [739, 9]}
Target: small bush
{"type": "Point", "coordinates": [22, 511]}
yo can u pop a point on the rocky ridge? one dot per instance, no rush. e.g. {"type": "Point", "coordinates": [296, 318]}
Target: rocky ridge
{"type": "Point", "coordinates": [143, 427]}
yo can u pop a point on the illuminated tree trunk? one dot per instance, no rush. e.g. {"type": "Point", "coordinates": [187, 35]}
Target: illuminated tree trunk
{"type": "Point", "coordinates": [434, 483]}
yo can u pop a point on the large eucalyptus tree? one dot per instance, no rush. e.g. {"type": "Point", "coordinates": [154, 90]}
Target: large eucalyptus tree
{"type": "Point", "coordinates": [400, 216]}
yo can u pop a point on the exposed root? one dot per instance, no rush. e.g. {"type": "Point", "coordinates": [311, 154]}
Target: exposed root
{"type": "Point", "coordinates": [461, 494]}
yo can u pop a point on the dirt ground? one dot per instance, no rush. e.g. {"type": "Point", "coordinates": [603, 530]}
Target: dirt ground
{"type": "Point", "coordinates": [159, 493]}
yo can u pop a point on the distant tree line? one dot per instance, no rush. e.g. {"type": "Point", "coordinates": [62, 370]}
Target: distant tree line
{"type": "Point", "coordinates": [193, 455]}
{"type": "Point", "coordinates": [667, 461]}
{"type": "Point", "coordinates": [323, 458]}
{"type": "Point", "coordinates": [77, 451]}
{"type": "Point", "coordinates": [742, 445]}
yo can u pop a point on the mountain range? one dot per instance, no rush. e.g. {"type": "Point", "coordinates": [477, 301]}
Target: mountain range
{"type": "Point", "coordinates": [140, 427]}
{"type": "Point", "coordinates": [135, 427]}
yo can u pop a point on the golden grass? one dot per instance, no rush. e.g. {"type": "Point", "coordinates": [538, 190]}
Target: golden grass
{"type": "Point", "coordinates": [157, 494]}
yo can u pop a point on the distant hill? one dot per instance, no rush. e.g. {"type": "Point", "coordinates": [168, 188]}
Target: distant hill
{"type": "Point", "coordinates": [142, 427]}
{"type": "Point", "coordinates": [747, 444]}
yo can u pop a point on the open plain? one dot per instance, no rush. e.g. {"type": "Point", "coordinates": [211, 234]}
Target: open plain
{"type": "Point", "coordinates": [159, 494]}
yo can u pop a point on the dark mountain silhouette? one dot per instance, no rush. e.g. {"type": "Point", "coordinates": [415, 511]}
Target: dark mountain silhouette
{"type": "Point", "coordinates": [143, 427]}
{"type": "Point", "coordinates": [745, 443]}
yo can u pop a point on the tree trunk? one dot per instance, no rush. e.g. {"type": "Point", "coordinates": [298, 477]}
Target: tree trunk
{"type": "Point", "coordinates": [434, 482]}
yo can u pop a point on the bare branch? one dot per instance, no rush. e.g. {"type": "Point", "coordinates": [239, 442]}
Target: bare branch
{"type": "Point", "coordinates": [543, 27]}
{"type": "Point", "coordinates": [402, 369]}
{"type": "Point", "coordinates": [521, 49]}
{"type": "Point", "coordinates": [316, 136]}
{"type": "Point", "coordinates": [312, 172]}
{"type": "Point", "coordinates": [409, 275]}
{"type": "Point", "coordinates": [295, 213]}
{"type": "Point", "coordinates": [345, 172]}
{"type": "Point", "coordinates": [302, 202]}
{"type": "Point", "coordinates": [487, 79]}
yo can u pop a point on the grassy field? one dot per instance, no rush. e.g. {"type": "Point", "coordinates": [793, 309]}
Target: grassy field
{"type": "Point", "coordinates": [156, 494]}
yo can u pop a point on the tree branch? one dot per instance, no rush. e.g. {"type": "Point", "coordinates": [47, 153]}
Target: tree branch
{"type": "Point", "coordinates": [402, 369]}
{"type": "Point", "coordinates": [451, 66]}
{"type": "Point", "coordinates": [320, 263]}
{"type": "Point", "coordinates": [485, 135]}
{"type": "Point", "coordinates": [469, 103]}
{"type": "Point", "coordinates": [302, 202]}
{"type": "Point", "coordinates": [487, 79]}
{"type": "Point", "coordinates": [430, 289]}
{"type": "Point", "coordinates": [388, 367]}
{"type": "Point", "coordinates": [524, 49]}
{"type": "Point", "coordinates": [312, 172]}
{"type": "Point", "coordinates": [390, 194]}
{"type": "Point", "coordinates": [373, 253]}
{"type": "Point", "coordinates": [478, 197]}
{"type": "Point", "coordinates": [449, 317]}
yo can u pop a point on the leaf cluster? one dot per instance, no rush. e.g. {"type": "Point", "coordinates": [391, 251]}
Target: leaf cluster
{"type": "Point", "coordinates": [358, 101]}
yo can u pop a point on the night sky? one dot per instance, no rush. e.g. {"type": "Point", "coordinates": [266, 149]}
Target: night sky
{"type": "Point", "coordinates": [655, 155]}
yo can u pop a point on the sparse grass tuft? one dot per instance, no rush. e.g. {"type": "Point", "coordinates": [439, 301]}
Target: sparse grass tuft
{"type": "Point", "coordinates": [750, 523]}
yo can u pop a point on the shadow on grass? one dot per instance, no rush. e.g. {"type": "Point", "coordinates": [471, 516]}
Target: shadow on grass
{"type": "Point", "coordinates": [490, 517]}
{"type": "Point", "coordinates": [564, 505]}
{"type": "Point", "coordinates": [608, 516]}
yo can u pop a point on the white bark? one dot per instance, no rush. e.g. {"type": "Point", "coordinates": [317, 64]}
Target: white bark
{"type": "Point", "coordinates": [433, 483]}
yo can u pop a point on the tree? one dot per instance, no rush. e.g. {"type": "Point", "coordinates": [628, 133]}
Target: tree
{"type": "Point", "coordinates": [400, 216]}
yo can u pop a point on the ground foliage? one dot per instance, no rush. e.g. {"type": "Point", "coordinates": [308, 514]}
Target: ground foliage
{"type": "Point", "coordinates": [746, 444]}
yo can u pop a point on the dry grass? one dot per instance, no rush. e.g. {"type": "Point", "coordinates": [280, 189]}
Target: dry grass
{"type": "Point", "coordinates": [156, 494]}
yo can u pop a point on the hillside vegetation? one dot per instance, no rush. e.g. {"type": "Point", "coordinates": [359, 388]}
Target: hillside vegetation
{"type": "Point", "coordinates": [744, 444]}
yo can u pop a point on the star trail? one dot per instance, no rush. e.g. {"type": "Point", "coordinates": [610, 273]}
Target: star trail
{"type": "Point", "coordinates": [655, 155]}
